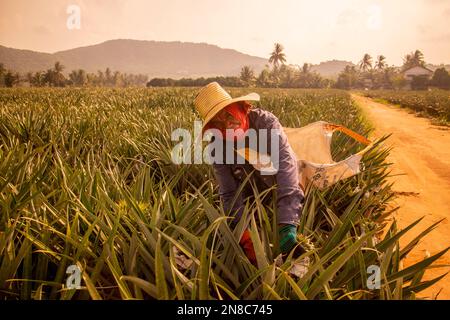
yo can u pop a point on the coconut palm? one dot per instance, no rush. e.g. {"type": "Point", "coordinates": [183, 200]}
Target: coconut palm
{"type": "Point", "coordinates": [381, 62]}
{"type": "Point", "coordinates": [419, 57]}
{"type": "Point", "coordinates": [108, 76]}
{"type": "Point", "coordinates": [366, 63]}
{"type": "Point", "coordinates": [38, 79]}
{"type": "Point", "coordinates": [306, 68]}
{"type": "Point", "coordinates": [55, 76]}
{"type": "Point", "coordinates": [11, 79]}
{"type": "Point", "coordinates": [78, 77]}
{"type": "Point", "coordinates": [277, 56]}
{"type": "Point", "coordinates": [413, 59]}
{"type": "Point", "coordinates": [58, 67]}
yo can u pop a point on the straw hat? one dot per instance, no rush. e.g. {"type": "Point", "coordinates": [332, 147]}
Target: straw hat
{"type": "Point", "coordinates": [212, 98]}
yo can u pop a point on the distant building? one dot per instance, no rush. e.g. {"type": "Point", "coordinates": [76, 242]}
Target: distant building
{"type": "Point", "coordinates": [418, 71]}
{"type": "Point", "coordinates": [410, 73]}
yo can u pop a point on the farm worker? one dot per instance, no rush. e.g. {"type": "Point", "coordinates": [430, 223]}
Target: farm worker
{"type": "Point", "coordinates": [219, 111]}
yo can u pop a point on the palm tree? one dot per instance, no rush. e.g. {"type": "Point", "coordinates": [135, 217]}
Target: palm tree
{"type": "Point", "coordinates": [100, 78]}
{"type": "Point", "coordinates": [11, 79]}
{"type": "Point", "coordinates": [55, 76]}
{"type": "Point", "coordinates": [108, 76]}
{"type": "Point", "coordinates": [247, 75]}
{"type": "Point", "coordinates": [419, 58]}
{"type": "Point", "coordinates": [366, 62]}
{"type": "Point", "coordinates": [78, 77]}
{"type": "Point", "coordinates": [306, 68]}
{"type": "Point", "coordinates": [381, 62]}
{"type": "Point", "coordinates": [277, 56]}
{"type": "Point", "coordinates": [413, 59]}
{"type": "Point", "coordinates": [58, 67]}
{"type": "Point", "coordinates": [39, 79]}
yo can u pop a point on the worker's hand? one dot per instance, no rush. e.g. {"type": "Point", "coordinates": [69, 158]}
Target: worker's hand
{"type": "Point", "coordinates": [287, 237]}
{"type": "Point", "coordinates": [288, 240]}
{"type": "Point", "coordinates": [247, 245]}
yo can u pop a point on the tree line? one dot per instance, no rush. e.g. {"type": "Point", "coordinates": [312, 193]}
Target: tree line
{"type": "Point", "coordinates": [54, 77]}
{"type": "Point", "coordinates": [379, 75]}
{"type": "Point", "coordinates": [366, 74]}
{"type": "Point", "coordinates": [275, 74]}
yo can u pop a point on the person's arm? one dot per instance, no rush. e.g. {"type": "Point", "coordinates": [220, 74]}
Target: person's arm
{"type": "Point", "coordinates": [228, 187]}
{"type": "Point", "coordinates": [290, 197]}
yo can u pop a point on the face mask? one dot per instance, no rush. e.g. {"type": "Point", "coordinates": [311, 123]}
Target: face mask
{"type": "Point", "coordinates": [235, 112]}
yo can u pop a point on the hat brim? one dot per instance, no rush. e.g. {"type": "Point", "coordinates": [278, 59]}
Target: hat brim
{"type": "Point", "coordinates": [249, 97]}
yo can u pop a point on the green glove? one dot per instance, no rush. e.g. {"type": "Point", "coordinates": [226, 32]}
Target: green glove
{"type": "Point", "coordinates": [287, 238]}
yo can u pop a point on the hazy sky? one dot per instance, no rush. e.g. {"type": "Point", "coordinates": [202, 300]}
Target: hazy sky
{"type": "Point", "coordinates": [310, 30]}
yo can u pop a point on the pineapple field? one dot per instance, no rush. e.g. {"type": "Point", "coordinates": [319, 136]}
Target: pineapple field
{"type": "Point", "coordinates": [87, 182]}
{"type": "Point", "coordinates": [433, 104]}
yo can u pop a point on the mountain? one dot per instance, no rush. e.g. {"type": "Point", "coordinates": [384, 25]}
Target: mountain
{"type": "Point", "coordinates": [331, 69]}
{"type": "Point", "coordinates": [25, 60]}
{"type": "Point", "coordinates": [154, 58]}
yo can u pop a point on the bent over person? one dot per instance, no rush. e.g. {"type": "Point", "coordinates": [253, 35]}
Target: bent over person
{"type": "Point", "coordinates": [224, 114]}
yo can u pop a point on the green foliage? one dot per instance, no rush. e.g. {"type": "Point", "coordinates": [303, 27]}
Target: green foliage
{"type": "Point", "coordinates": [247, 76]}
{"type": "Point", "coordinates": [441, 79]}
{"type": "Point", "coordinates": [86, 179]}
{"type": "Point", "coordinates": [277, 56]}
{"type": "Point", "coordinates": [10, 79]}
{"type": "Point", "coordinates": [434, 104]}
{"type": "Point", "coordinates": [419, 82]}
{"type": "Point", "coordinates": [349, 78]}
{"type": "Point", "coordinates": [413, 59]}
{"type": "Point", "coordinates": [283, 77]}
{"type": "Point", "coordinates": [366, 63]}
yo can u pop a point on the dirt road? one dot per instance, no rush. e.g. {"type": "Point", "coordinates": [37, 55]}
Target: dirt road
{"type": "Point", "coordinates": [422, 155]}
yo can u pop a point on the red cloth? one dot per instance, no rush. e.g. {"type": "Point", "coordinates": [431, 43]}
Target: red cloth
{"type": "Point", "coordinates": [238, 113]}
{"type": "Point", "coordinates": [247, 245]}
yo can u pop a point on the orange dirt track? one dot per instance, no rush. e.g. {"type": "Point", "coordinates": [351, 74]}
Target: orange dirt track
{"type": "Point", "coordinates": [421, 154]}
